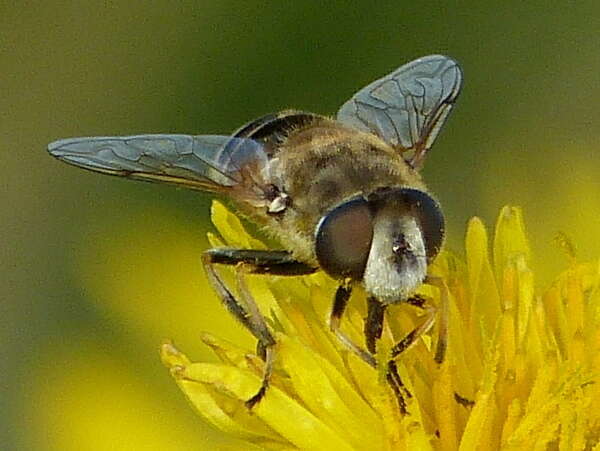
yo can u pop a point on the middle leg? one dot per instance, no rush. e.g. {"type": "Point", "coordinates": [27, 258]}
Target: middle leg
{"type": "Point", "coordinates": [247, 312]}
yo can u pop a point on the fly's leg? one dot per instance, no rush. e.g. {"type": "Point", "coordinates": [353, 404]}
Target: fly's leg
{"type": "Point", "coordinates": [411, 338]}
{"type": "Point", "coordinates": [340, 301]}
{"type": "Point", "coordinates": [247, 312]}
{"type": "Point", "coordinates": [254, 323]}
{"type": "Point", "coordinates": [443, 317]}
{"type": "Point", "coordinates": [374, 328]}
{"type": "Point", "coordinates": [373, 331]}
{"type": "Point", "coordinates": [374, 323]}
{"type": "Point", "coordinates": [395, 382]}
{"type": "Point", "coordinates": [443, 321]}
{"type": "Point", "coordinates": [442, 314]}
{"type": "Point", "coordinates": [277, 263]}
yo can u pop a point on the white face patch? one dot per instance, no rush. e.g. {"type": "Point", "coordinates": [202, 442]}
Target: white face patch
{"type": "Point", "coordinates": [397, 263]}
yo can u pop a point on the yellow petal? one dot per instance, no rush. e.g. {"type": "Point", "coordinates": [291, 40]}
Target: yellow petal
{"type": "Point", "coordinates": [231, 228]}
{"type": "Point", "coordinates": [525, 298]}
{"type": "Point", "coordinates": [328, 394]}
{"type": "Point", "coordinates": [230, 417]}
{"type": "Point", "coordinates": [445, 408]}
{"type": "Point", "coordinates": [478, 432]}
{"type": "Point", "coordinates": [520, 353]}
{"type": "Point", "coordinates": [510, 239]}
{"type": "Point", "coordinates": [485, 302]}
{"type": "Point", "coordinates": [280, 412]}
{"type": "Point", "coordinates": [225, 350]}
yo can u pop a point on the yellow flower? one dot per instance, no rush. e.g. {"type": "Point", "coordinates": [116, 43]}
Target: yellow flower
{"type": "Point", "coordinates": [520, 372]}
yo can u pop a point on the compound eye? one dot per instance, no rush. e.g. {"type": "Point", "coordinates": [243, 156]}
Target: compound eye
{"type": "Point", "coordinates": [343, 239]}
{"type": "Point", "coordinates": [430, 216]}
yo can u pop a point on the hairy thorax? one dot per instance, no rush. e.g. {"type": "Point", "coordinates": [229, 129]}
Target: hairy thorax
{"type": "Point", "coordinates": [320, 166]}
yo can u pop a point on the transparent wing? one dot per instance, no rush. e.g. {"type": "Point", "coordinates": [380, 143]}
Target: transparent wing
{"type": "Point", "coordinates": [408, 107]}
{"type": "Point", "coordinates": [205, 162]}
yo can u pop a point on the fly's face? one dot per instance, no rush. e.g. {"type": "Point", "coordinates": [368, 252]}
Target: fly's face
{"type": "Point", "coordinates": [344, 195]}
{"type": "Point", "coordinates": [385, 239]}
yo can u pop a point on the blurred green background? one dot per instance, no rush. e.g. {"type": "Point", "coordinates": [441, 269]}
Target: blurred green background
{"type": "Point", "coordinates": [98, 271]}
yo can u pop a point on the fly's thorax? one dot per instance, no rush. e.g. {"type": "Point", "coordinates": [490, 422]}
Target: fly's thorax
{"type": "Point", "coordinates": [397, 262]}
{"type": "Point", "coordinates": [323, 165]}
{"type": "Point", "coordinates": [319, 166]}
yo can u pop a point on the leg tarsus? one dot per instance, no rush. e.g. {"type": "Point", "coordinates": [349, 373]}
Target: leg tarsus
{"type": "Point", "coordinates": [266, 379]}
{"type": "Point", "coordinates": [266, 341]}
{"type": "Point", "coordinates": [397, 386]}
{"type": "Point", "coordinates": [465, 402]}
{"type": "Point", "coordinates": [409, 340]}
{"type": "Point", "coordinates": [417, 300]}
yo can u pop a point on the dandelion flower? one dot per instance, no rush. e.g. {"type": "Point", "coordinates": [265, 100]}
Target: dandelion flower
{"type": "Point", "coordinates": [520, 370]}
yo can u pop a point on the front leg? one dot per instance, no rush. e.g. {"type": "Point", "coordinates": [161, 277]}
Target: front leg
{"type": "Point", "coordinates": [247, 312]}
{"type": "Point", "coordinates": [373, 331]}
{"type": "Point", "coordinates": [340, 301]}
{"type": "Point", "coordinates": [374, 323]}
{"type": "Point", "coordinates": [411, 338]}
